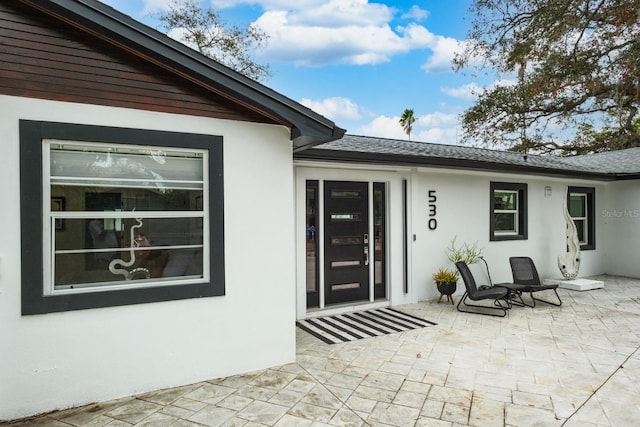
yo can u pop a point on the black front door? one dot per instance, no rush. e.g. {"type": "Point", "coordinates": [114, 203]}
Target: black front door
{"type": "Point", "coordinates": [346, 241]}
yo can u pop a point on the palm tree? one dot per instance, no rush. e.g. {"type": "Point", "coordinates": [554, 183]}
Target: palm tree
{"type": "Point", "coordinates": [407, 120]}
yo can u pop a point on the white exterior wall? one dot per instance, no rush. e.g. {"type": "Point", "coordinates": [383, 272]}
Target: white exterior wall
{"type": "Point", "coordinates": [462, 211]}
{"type": "Point", "coordinates": [72, 358]}
{"type": "Point", "coordinates": [621, 217]}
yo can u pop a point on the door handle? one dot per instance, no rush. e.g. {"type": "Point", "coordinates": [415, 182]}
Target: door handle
{"type": "Point", "coordinates": [366, 249]}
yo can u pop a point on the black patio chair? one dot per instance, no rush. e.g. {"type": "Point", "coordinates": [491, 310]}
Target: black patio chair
{"type": "Point", "coordinates": [514, 296]}
{"type": "Point", "coordinates": [525, 273]}
{"type": "Point", "coordinates": [495, 294]}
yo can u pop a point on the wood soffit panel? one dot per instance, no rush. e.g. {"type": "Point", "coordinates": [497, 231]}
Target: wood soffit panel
{"type": "Point", "coordinates": [172, 74]}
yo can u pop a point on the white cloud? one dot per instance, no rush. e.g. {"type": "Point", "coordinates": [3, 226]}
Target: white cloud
{"type": "Point", "coordinates": [351, 38]}
{"type": "Point", "coordinates": [418, 36]}
{"type": "Point", "coordinates": [436, 127]}
{"type": "Point", "coordinates": [336, 108]}
{"type": "Point", "coordinates": [444, 49]}
{"type": "Point", "coordinates": [178, 34]}
{"type": "Point", "coordinates": [340, 13]}
{"type": "Point", "coordinates": [383, 127]}
{"type": "Point", "coordinates": [223, 4]}
{"type": "Point", "coordinates": [269, 4]}
{"type": "Point", "coordinates": [473, 62]}
{"type": "Point", "coordinates": [323, 32]}
{"type": "Point", "coordinates": [416, 13]}
{"type": "Point", "coordinates": [436, 119]}
{"type": "Point", "coordinates": [153, 6]}
{"type": "Point", "coordinates": [439, 135]}
{"type": "Point", "coordinates": [469, 91]}
{"type": "Point", "coordinates": [505, 82]}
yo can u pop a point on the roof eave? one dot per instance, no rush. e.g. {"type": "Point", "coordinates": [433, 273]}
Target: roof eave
{"type": "Point", "coordinates": [305, 141]}
{"type": "Point", "coordinates": [627, 176]}
{"type": "Point", "coordinates": [447, 163]}
{"type": "Point", "coordinates": [307, 128]}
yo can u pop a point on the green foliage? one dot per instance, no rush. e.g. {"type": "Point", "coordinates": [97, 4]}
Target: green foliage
{"type": "Point", "coordinates": [407, 120]}
{"type": "Point", "coordinates": [207, 32]}
{"type": "Point", "coordinates": [577, 88]}
{"type": "Point", "coordinates": [470, 254]}
{"type": "Point", "coordinates": [445, 276]}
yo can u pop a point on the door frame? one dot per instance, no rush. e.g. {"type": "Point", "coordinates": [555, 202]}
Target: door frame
{"type": "Point", "coordinates": [402, 284]}
{"type": "Point", "coordinates": [391, 178]}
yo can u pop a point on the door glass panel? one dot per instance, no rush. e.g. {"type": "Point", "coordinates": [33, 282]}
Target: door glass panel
{"type": "Point", "coordinates": [379, 226]}
{"type": "Point", "coordinates": [346, 240]}
{"type": "Point", "coordinates": [345, 217]}
{"type": "Point", "coordinates": [344, 286]}
{"type": "Point", "coordinates": [345, 194]}
{"type": "Point", "coordinates": [312, 243]}
{"type": "Point", "coordinates": [353, 263]}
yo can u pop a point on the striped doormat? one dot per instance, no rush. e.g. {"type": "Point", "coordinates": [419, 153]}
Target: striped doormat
{"type": "Point", "coordinates": [361, 324]}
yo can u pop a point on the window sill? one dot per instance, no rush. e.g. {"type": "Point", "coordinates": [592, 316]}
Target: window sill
{"type": "Point", "coordinates": [499, 238]}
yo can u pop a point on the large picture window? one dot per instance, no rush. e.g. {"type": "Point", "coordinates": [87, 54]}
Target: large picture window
{"type": "Point", "coordinates": [508, 211]}
{"type": "Point", "coordinates": [581, 203]}
{"type": "Point", "coordinates": [127, 216]}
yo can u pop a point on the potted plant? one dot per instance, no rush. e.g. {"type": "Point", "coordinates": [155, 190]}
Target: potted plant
{"type": "Point", "coordinates": [446, 279]}
{"type": "Point", "coordinates": [446, 282]}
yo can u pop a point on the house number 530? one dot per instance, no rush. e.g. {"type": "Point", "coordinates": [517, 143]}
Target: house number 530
{"type": "Point", "coordinates": [433, 222]}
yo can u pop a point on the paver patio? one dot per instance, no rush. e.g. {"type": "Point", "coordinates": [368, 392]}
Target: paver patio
{"type": "Point", "coordinates": [575, 365]}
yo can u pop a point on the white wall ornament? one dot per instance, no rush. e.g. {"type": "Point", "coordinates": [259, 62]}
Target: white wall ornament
{"type": "Point", "coordinates": [135, 241]}
{"type": "Point", "coordinates": [569, 262]}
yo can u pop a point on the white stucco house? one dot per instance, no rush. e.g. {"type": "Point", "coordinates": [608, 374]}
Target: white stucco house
{"type": "Point", "coordinates": [167, 220]}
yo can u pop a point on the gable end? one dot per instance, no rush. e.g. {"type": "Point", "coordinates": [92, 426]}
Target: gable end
{"type": "Point", "coordinates": [42, 57]}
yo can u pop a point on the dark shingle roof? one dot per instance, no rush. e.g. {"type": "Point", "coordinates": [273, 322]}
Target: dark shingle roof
{"type": "Point", "coordinates": [615, 162]}
{"type": "Point", "coordinates": [400, 152]}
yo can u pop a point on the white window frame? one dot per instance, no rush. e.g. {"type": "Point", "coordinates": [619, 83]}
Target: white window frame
{"type": "Point", "coordinates": [49, 219]}
{"type": "Point", "coordinates": [515, 212]}
{"type": "Point", "coordinates": [585, 218]}
{"type": "Point", "coordinates": [519, 212]}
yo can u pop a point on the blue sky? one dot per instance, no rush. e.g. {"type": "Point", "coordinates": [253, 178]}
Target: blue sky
{"type": "Point", "coordinates": [358, 62]}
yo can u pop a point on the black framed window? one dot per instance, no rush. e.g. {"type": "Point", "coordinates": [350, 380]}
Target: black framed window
{"type": "Point", "coordinates": [508, 211]}
{"type": "Point", "coordinates": [581, 203]}
{"type": "Point", "coordinates": [115, 216]}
